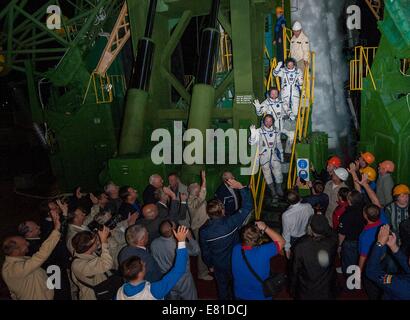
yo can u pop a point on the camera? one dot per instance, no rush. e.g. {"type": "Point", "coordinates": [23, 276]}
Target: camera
{"type": "Point", "coordinates": [110, 224]}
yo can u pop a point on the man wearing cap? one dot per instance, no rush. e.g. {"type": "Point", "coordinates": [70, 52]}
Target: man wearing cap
{"type": "Point", "coordinates": [385, 183]}
{"type": "Point", "coordinates": [338, 178]}
{"type": "Point", "coordinates": [299, 47]}
{"type": "Point", "coordinates": [398, 210]}
{"type": "Point", "coordinates": [333, 163]}
{"type": "Point", "coordinates": [314, 274]}
{"type": "Point", "coordinates": [280, 24]}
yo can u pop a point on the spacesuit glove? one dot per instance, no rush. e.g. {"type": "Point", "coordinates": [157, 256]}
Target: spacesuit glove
{"type": "Point", "coordinates": [253, 131]}
{"type": "Point", "coordinates": [256, 103]}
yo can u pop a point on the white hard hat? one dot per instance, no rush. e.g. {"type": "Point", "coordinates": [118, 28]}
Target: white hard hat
{"type": "Point", "coordinates": [341, 173]}
{"type": "Point", "coordinates": [297, 26]}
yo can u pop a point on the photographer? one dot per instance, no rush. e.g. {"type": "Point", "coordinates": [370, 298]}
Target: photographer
{"type": "Point", "coordinates": [246, 285]}
{"type": "Point", "coordinates": [116, 240]}
{"type": "Point", "coordinates": [78, 220]}
{"type": "Point", "coordinates": [87, 268]}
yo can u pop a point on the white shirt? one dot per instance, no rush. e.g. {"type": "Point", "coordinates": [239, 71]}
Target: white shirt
{"type": "Point", "coordinates": [295, 221]}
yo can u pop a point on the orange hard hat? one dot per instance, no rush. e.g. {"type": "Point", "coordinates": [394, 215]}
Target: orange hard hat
{"type": "Point", "coordinates": [370, 172]}
{"type": "Point", "coordinates": [387, 165]}
{"type": "Point", "coordinates": [279, 10]}
{"type": "Point", "coordinates": [399, 189]}
{"type": "Point", "coordinates": [368, 157]}
{"type": "Point", "coordinates": [335, 161]}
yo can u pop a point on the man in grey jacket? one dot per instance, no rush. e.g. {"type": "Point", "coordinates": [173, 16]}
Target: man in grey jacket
{"type": "Point", "coordinates": [385, 182]}
{"type": "Point", "coordinates": [163, 250]}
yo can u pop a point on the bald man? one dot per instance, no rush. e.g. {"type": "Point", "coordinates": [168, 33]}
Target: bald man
{"type": "Point", "coordinates": [23, 275]}
{"type": "Point", "coordinates": [154, 214]}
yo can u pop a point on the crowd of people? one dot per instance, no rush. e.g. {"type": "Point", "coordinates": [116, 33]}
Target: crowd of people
{"type": "Point", "coordinates": [113, 243]}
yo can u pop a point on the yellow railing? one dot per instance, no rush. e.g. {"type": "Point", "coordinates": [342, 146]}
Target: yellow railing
{"type": "Point", "coordinates": [225, 53]}
{"type": "Point", "coordinates": [287, 36]}
{"type": "Point", "coordinates": [258, 186]}
{"type": "Point", "coordinates": [102, 88]}
{"type": "Point", "coordinates": [269, 80]}
{"type": "Point", "coordinates": [302, 121]}
{"type": "Point", "coordinates": [360, 67]}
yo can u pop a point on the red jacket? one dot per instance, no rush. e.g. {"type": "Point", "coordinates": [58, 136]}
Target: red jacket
{"type": "Point", "coordinates": [339, 211]}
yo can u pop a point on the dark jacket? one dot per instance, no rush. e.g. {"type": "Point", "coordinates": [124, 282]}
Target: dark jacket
{"type": "Point", "coordinates": [395, 286]}
{"type": "Point", "coordinates": [148, 194]}
{"type": "Point", "coordinates": [126, 209]}
{"type": "Point", "coordinates": [352, 223]}
{"type": "Point", "coordinates": [219, 235]}
{"type": "Point", "coordinates": [313, 278]}
{"type": "Point", "coordinates": [224, 195]}
{"type": "Point", "coordinates": [151, 266]}
{"type": "Point", "coordinates": [176, 212]}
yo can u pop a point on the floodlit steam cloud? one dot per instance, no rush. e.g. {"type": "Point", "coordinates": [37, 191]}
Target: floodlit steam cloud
{"type": "Point", "coordinates": [320, 22]}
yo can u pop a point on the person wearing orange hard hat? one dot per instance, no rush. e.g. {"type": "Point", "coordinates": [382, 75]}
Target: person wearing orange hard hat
{"type": "Point", "coordinates": [365, 159]}
{"type": "Point", "coordinates": [332, 163]}
{"type": "Point", "coordinates": [371, 177]}
{"type": "Point", "coordinates": [385, 183]}
{"type": "Point", "coordinates": [398, 210]}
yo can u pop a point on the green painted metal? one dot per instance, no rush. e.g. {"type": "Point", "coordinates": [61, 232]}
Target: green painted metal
{"type": "Point", "coordinates": [385, 112]}
{"type": "Point", "coordinates": [200, 114]}
{"type": "Point", "coordinates": [112, 141]}
{"type": "Point", "coordinates": [132, 131]}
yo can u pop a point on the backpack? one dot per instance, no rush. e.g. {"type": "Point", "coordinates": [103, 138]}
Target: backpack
{"type": "Point", "coordinates": [105, 290]}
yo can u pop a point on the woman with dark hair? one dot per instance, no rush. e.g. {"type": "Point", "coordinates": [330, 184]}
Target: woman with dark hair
{"type": "Point", "coordinates": [246, 285]}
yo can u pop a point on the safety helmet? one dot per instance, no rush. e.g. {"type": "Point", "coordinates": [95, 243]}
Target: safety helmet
{"type": "Point", "coordinates": [399, 189]}
{"type": "Point", "coordinates": [341, 173]}
{"type": "Point", "coordinates": [297, 26]}
{"type": "Point", "coordinates": [279, 10]}
{"type": "Point", "coordinates": [335, 161]}
{"type": "Point", "coordinates": [387, 165]}
{"type": "Point", "coordinates": [368, 157]}
{"type": "Point", "coordinates": [370, 172]}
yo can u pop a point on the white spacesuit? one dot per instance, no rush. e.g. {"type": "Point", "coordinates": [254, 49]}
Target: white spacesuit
{"type": "Point", "coordinates": [270, 153]}
{"type": "Point", "coordinates": [291, 87]}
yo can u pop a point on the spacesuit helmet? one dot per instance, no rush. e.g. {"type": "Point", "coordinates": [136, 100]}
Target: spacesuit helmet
{"type": "Point", "coordinates": [288, 62]}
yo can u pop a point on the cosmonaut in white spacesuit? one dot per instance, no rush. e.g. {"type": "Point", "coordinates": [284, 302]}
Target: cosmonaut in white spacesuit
{"type": "Point", "coordinates": [270, 153]}
{"type": "Point", "coordinates": [291, 87]}
{"type": "Point", "coordinates": [280, 112]}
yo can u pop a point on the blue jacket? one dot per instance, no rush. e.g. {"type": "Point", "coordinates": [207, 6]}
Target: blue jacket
{"type": "Point", "coordinates": [219, 235]}
{"type": "Point", "coordinates": [278, 26]}
{"type": "Point", "coordinates": [396, 287]}
{"type": "Point", "coordinates": [223, 194]}
{"type": "Point", "coordinates": [161, 288]}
